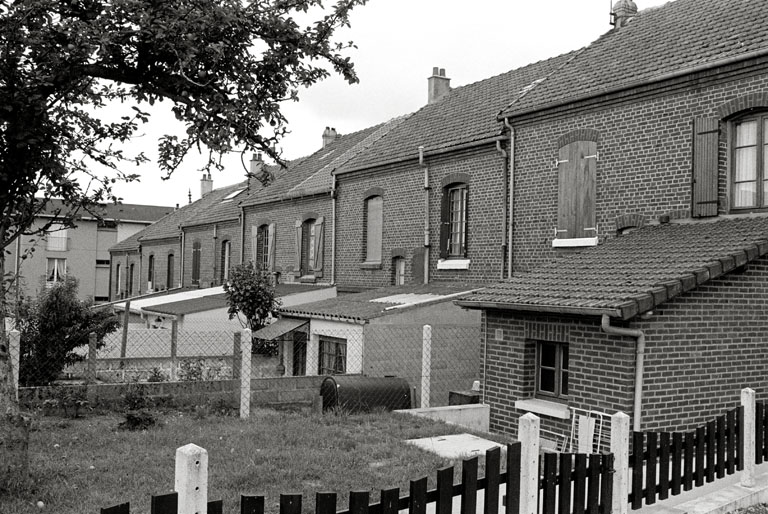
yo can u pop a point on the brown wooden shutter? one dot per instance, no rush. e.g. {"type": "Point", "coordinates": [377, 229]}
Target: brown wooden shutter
{"type": "Point", "coordinates": [271, 246]}
{"type": "Point", "coordinates": [445, 223]}
{"type": "Point", "coordinates": [704, 174]}
{"type": "Point", "coordinates": [254, 243]}
{"type": "Point", "coordinates": [297, 254]}
{"type": "Point", "coordinates": [319, 246]}
{"type": "Point", "coordinates": [577, 170]}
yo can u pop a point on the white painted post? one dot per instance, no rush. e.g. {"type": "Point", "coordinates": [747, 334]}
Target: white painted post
{"type": "Point", "coordinates": [192, 479]}
{"type": "Point", "coordinates": [528, 435]}
{"type": "Point", "coordinates": [586, 433]}
{"type": "Point", "coordinates": [246, 345]}
{"type": "Point", "coordinates": [748, 402]}
{"type": "Point", "coordinates": [620, 450]}
{"type": "Point", "coordinates": [426, 364]}
{"type": "Point", "coordinates": [14, 343]}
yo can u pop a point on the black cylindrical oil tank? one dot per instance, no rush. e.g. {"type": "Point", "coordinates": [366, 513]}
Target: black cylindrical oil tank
{"type": "Point", "coordinates": [357, 393]}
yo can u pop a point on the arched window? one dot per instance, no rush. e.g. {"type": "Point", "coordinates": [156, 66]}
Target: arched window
{"type": "Point", "coordinates": [262, 247]}
{"type": "Point", "coordinates": [169, 272]}
{"type": "Point", "coordinates": [130, 280]}
{"type": "Point", "coordinates": [151, 272]}
{"type": "Point", "coordinates": [226, 259]}
{"type": "Point", "coordinates": [118, 279]}
{"type": "Point", "coordinates": [196, 251]}
{"type": "Point", "coordinates": [749, 176]}
{"type": "Point", "coordinates": [398, 271]}
{"type": "Point", "coordinates": [307, 246]}
{"type": "Point", "coordinates": [373, 223]}
{"type": "Point", "coordinates": [453, 221]}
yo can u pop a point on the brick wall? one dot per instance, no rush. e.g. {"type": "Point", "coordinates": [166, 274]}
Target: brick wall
{"type": "Point", "coordinates": [124, 259]}
{"type": "Point", "coordinates": [211, 242]}
{"type": "Point", "coordinates": [403, 230]}
{"type": "Point", "coordinates": [284, 215]}
{"type": "Point", "coordinates": [160, 249]}
{"type": "Point", "coordinates": [644, 167]}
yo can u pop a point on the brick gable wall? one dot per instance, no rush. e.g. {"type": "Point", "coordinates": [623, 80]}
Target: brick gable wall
{"type": "Point", "coordinates": [645, 149]}
{"type": "Point", "coordinates": [702, 348]}
{"type": "Point", "coordinates": [161, 250]}
{"type": "Point", "coordinates": [210, 247]}
{"type": "Point", "coordinates": [403, 231]}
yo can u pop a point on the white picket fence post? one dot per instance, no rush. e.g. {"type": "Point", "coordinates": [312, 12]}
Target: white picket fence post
{"type": "Point", "coordinates": [528, 435]}
{"type": "Point", "coordinates": [620, 451]}
{"type": "Point", "coordinates": [246, 345]}
{"type": "Point", "coordinates": [14, 343]}
{"type": "Point", "coordinates": [191, 481]}
{"type": "Point", "coordinates": [748, 402]}
{"type": "Point", "coordinates": [426, 364]}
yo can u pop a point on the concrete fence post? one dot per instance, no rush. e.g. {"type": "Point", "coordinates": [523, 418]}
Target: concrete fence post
{"type": "Point", "coordinates": [191, 480]}
{"type": "Point", "coordinates": [620, 451]}
{"type": "Point", "coordinates": [426, 365]}
{"type": "Point", "coordinates": [236, 356]}
{"type": "Point", "coordinates": [528, 435]}
{"type": "Point", "coordinates": [748, 402]}
{"type": "Point", "coordinates": [124, 338]}
{"type": "Point", "coordinates": [246, 345]}
{"type": "Point", "coordinates": [14, 347]}
{"type": "Point", "coordinates": [90, 370]}
{"type": "Point", "coordinates": [174, 348]}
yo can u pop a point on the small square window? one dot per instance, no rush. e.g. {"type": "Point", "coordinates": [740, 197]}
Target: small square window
{"type": "Point", "coordinates": [552, 369]}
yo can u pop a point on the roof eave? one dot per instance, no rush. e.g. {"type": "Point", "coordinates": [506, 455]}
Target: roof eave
{"type": "Point", "coordinates": [549, 309]}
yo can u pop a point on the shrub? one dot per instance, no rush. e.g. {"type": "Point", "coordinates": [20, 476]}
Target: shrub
{"type": "Point", "coordinates": [251, 298]}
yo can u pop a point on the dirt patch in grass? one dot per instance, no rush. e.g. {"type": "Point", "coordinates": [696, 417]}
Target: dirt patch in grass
{"type": "Point", "coordinates": [82, 465]}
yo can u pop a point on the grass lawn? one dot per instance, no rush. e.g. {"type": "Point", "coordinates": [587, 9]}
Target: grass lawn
{"type": "Point", "coordinates": [81, 465]}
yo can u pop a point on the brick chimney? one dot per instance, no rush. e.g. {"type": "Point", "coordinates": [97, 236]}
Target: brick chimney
{"type": "Point", "coordinates": [623, 11]}
{"type": "Point", "coordinates": [438, 85]}
{"type": "Point", "coordinates": [206, 184]}
{"type": "Point", "coordinates": [329, 136]}
{"type": "Point", "coordinates": [259, 171]}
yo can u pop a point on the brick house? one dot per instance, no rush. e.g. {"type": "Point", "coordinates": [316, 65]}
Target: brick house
{"type": "Point", "coordinates": [639, 231]}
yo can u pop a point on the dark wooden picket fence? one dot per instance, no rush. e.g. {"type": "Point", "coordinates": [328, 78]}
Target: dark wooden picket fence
{"type": "Point", "coordinates": [761, 432]}
{"type": "Point", "coordinates": [662, 463]}
{"type": "Point", "coordinates": [577, 483]}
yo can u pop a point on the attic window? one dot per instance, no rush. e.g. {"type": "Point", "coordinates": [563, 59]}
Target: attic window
{"type": "Point", "coordinates": [231, 195]}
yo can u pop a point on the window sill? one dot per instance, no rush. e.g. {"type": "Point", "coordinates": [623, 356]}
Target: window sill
{"type": "Point", "coordinates": [544, 407]}
{"type": "Point", "coordinates": [574, 242]}
{"type": "Point", "coordinates": [453, 264]}
{"type": "Point", "coordinates": [370, 265]}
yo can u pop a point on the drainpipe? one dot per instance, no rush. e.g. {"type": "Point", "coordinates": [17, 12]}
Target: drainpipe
{"type": "Point", "coordinates": [242, 234]}
{"type": "Point", "coordinates": [426, 214]}
{"type": "Point", "coordinates": [639, 335]}
{"type": "Point", "coordinates": [333, 229]}
{"type": "Point", "coordinates": [511, 189]}
{"type": "Point", "coordinates": [503, 199]}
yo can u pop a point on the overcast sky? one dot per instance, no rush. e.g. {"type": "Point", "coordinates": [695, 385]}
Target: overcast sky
{"type": "Point", "coordinates": [399, 42]}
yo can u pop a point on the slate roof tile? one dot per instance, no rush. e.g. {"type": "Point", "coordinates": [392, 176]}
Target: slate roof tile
{"type": "Point", "coordinates": [661, 260]}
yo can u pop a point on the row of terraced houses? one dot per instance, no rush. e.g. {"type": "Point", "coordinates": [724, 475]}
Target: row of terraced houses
{"type": "Point", "coordinates": [602, 212]}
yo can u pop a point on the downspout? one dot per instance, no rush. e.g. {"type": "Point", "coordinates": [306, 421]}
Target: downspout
{"type": "Point", "coordinates": [426, 214]}
{"type": "Point", "coordinates": [485, 356]}
{"type": "Point", "coordinates": [242, 234]}
{"type": "Point", "coordinates": [333, 229]}
{"type": "Point", "coordinates": [639, 335]}
{"type": "Point", "coordinates": [505, 167]}
{"type": "Point", "coordinates": [511, 189]}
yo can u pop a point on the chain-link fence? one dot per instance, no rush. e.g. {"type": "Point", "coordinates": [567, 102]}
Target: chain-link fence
{"type": "Point", "coordinates": [432, 365]}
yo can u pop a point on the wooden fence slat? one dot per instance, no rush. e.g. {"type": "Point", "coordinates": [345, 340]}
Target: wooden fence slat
{"type": "Point", "coordinates": [700, 452]}
{"type": "Point", "coordinates": [550, 483]}
{"type": "Point", "coordinates": [325, 503]}
{"type": "Point", "coordinates": [730, 433]}
{"type": "Point", "coordinates": [765, 432]}
{"type": "Point", "coordinates": [740, 436]}
{"type": "Point", "coordinates": [360, 500]}
{"type": "Point", "coordinates": [123, 508]}
{"type": "Point", "coordinates": [444, 491]}
{"type": "Point", "coordinates": [663, 465]}
{"type": "Point", "coordinates": [390, 499]}
{"type": "Point", "coordinates": [514, 454]}
{"type": "Point", "coordinates": [469, 486]}
{"type": "Point", "coordinates": [580, 483]}
{"type": "Point", "coordinates": [492, 480]}
{"type": "Point", "coordinates": [711, 445]}
{"type": "Point", "coordinates": [637, 470]}
{"type": "Point", "coordinates": [688, 462]}
{"type": "Point", "coordinates": [215, 507]}
{"type": "Point", "coordinates": [593, 484]}
{"type": "Point", "coordinates": [650, 467]}
{"type": "Point", "coordinates": [677, 462]}
{"type": "Point", "coordinates": [164, 503]}
{"type": "Point", "coordinates": [290, 503]}
{"type": "Point", "coordinates": [251, 504]}
{"type": "Point", "coordinates": [720, 466]}
{"type": "Point", "coordinates": [606, 488]}
{"type": "Point", "coordinates": [418, 497]}
{"type": "Point", "coordinates": [564, 483]}
{"type": "Point", "coordinates": [758, 432]}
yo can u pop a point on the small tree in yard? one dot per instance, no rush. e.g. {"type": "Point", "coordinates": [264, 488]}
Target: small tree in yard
{"type": "Point", "coordinates": [251, 298]}
{"type": "Point", "coordinates": [53, 326]}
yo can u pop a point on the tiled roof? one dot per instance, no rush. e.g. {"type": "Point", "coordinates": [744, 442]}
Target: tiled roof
{"type": "Point", "coordinates": [633, 273]}
{"type": "Point", "coordinates": [125, 212]}
{"type": "Point", "coordinates": [360, 307]}
{"type": "Point", "coordinates": [467, 114]}
{"type": "Point", "coordinates": [674, 38]}
{"type": "Point", "coordinates": [128, 244]}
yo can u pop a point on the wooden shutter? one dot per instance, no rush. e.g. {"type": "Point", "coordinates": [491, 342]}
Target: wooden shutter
{"type": "Point", "coordinates": [319, 246]}
{"type": "Point", "coordinates": [297, 254]}
{"type": "Point", "coordinates": [254, 244]}
{"type": "Point", "coordinates": [445, 223]}
{"type": "Point", "coordinates": [577, 170]}
{"type": "Point", "coordinates": [271, 246]}
{"type": "Point", "coordinates": [704, 174]}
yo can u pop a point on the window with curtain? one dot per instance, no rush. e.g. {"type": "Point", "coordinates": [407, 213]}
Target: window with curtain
{"type": "Point", "coordinates": [332, 356]}
{"type": "Point", "coordinates": [373, 224]}
{"type": "Point", "coordinates": [56, 270]}
{"type": "Point", "coordinates": [56, 238]}
{"type": "Point", "coordinates": [749, 156]}
{"type": "Point", "coordinates": [226, 259]}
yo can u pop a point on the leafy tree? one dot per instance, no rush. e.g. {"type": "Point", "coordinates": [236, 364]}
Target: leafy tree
{"type": "Point", "coordinates": [251, 298]}
{"type": "Point", "coordinates": [53, 326]}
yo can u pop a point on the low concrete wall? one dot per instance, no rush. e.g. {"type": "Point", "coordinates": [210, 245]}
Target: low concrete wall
{"type": "Point", "coordinates": [265, 391]}
{"type": "Point", "coordinates": [475, 417]}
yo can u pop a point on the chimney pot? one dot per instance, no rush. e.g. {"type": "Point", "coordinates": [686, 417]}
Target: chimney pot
{"type": "Point", "coordinates": [442, 72]}
{"type": "Point", "coordinates": [206, 184]}
{"type": "Point", "coordinates": [623, 11]}
{"type": "Point", "coordinates": [435, 70]}
{"type": "Point", "coordinates": [438, 85]}
{"type": "Point", "coordinates": [329, 136]}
